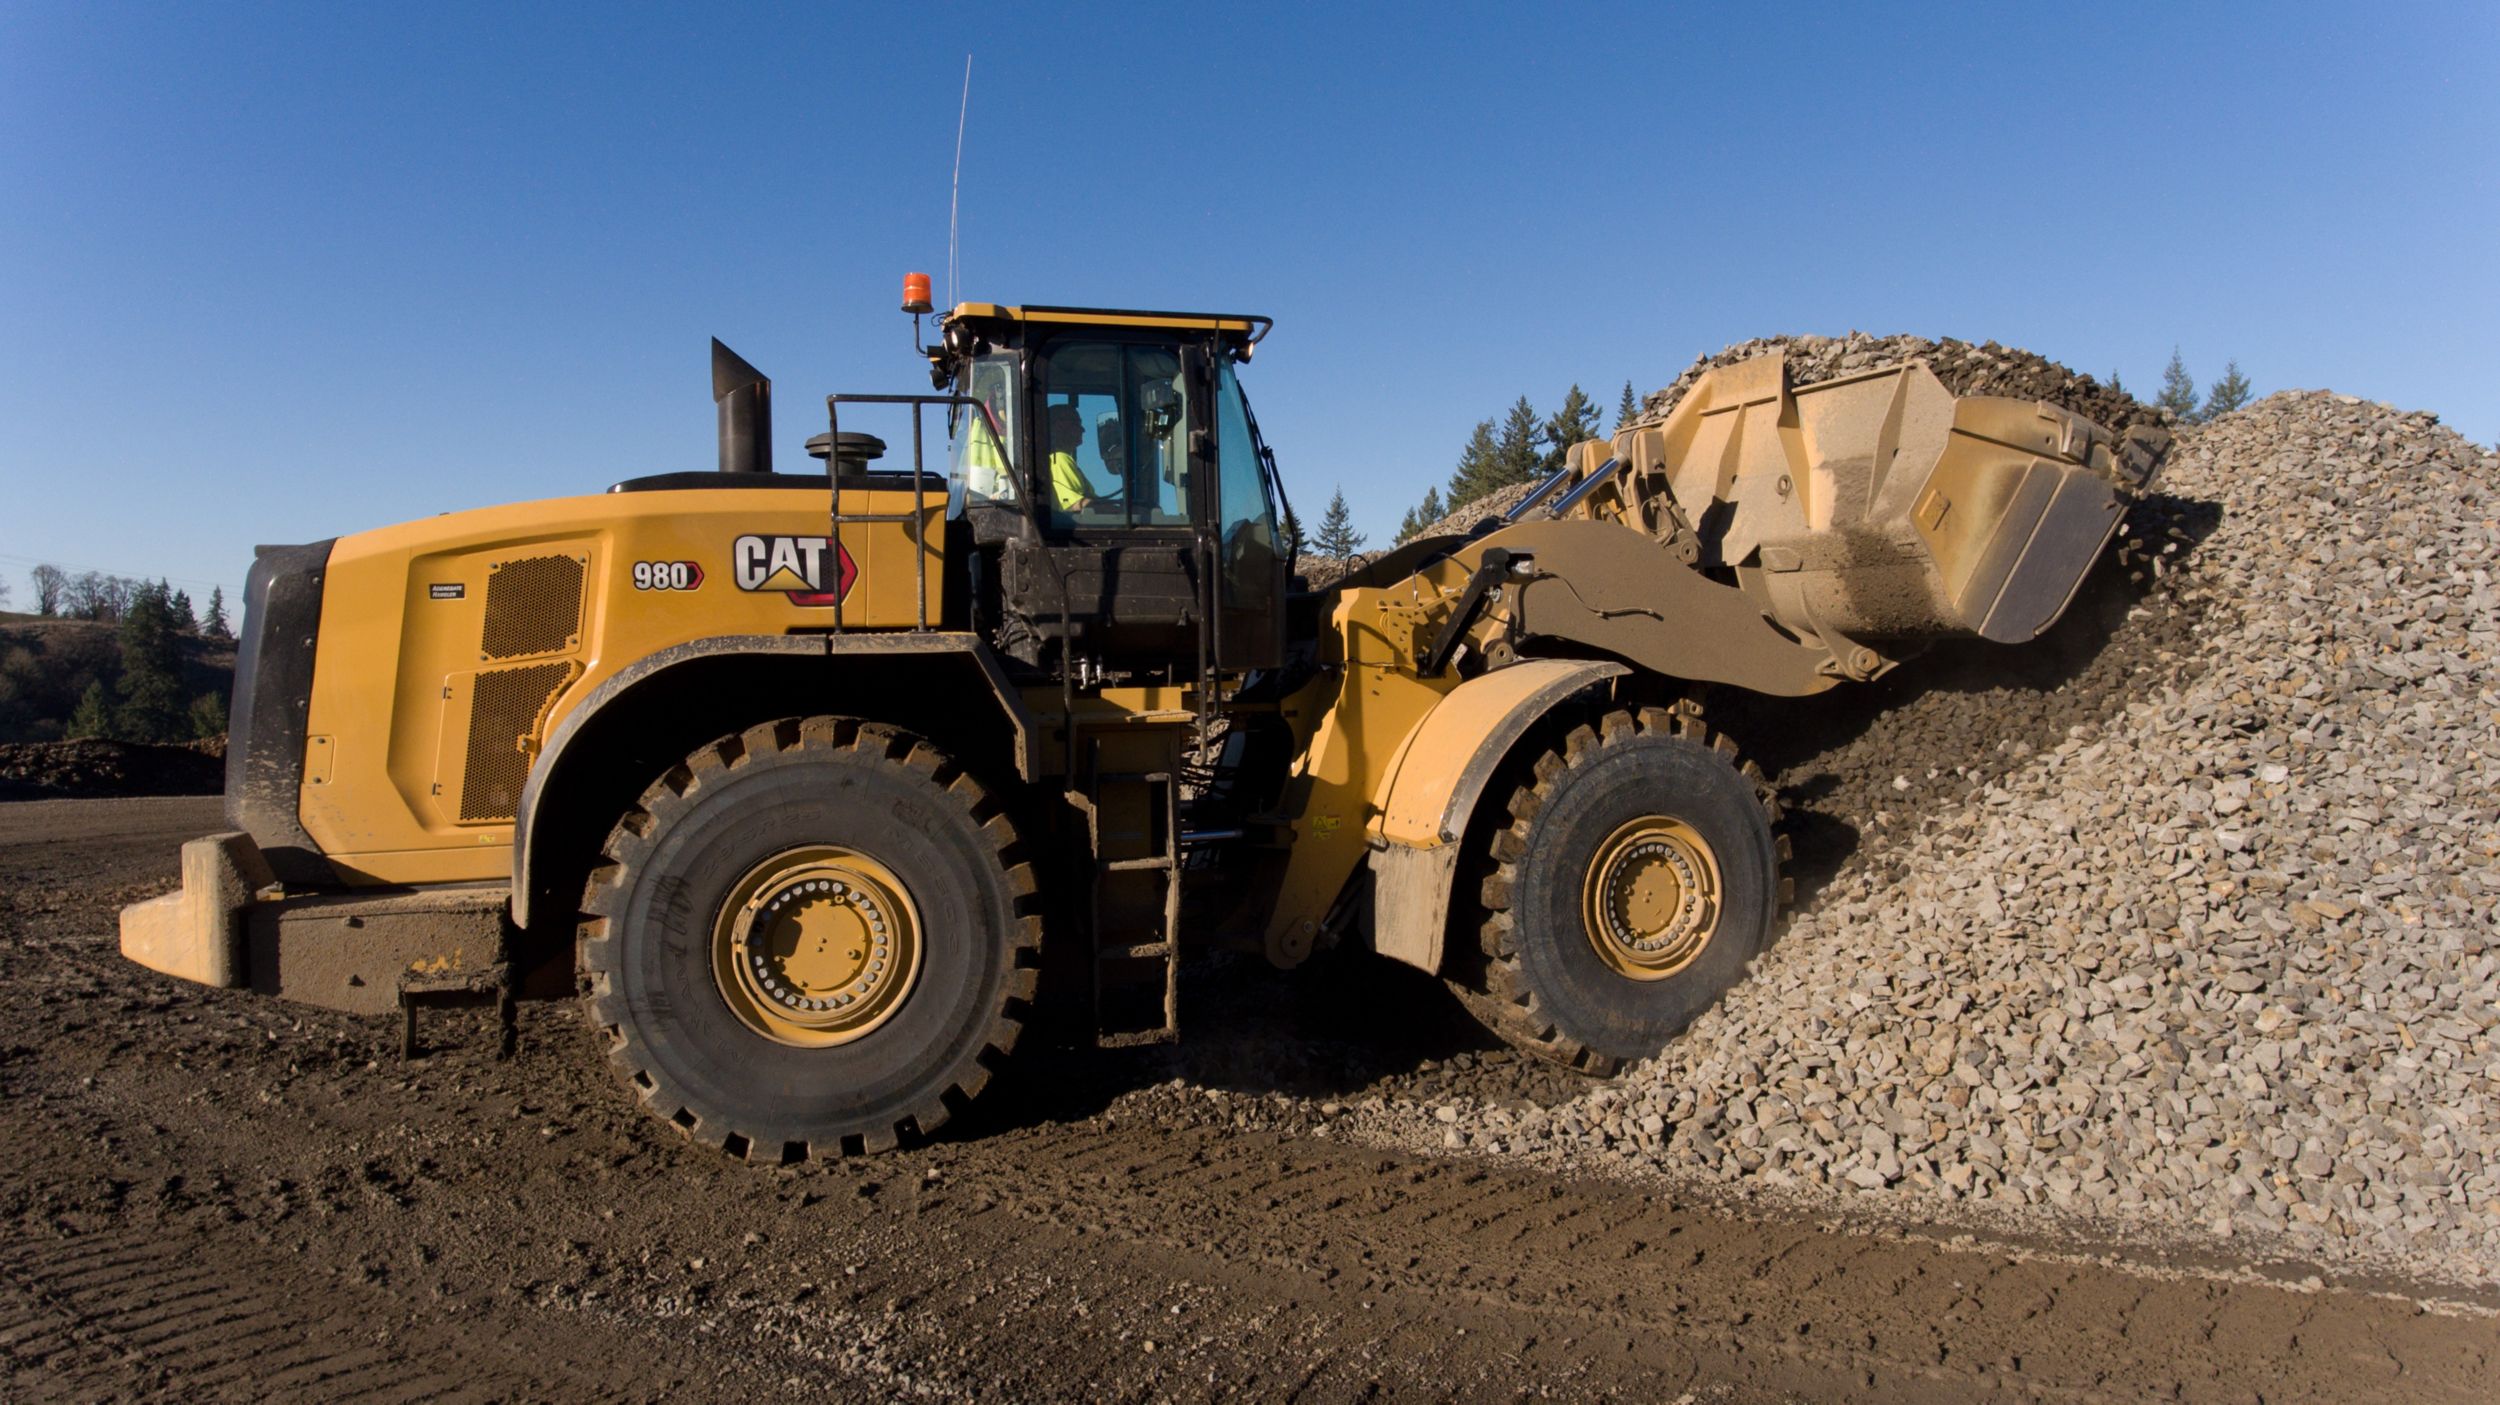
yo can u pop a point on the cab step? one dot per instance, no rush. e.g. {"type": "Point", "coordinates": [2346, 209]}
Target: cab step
{"type": "Point", "coordinates": [1133, 840]}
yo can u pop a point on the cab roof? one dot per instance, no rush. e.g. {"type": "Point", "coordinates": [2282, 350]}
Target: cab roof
{"type": "Point", "coordinates": [1248, 327]}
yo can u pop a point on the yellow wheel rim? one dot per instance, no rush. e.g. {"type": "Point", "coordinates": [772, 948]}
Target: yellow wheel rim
{"type": "Point", "coordinates": [1651, 899]}
{"type": "Point", "coordinates": [816, 946]}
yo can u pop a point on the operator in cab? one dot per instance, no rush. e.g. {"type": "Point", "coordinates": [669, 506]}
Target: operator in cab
{"type": "Point", "coordinates": [1070, 491]}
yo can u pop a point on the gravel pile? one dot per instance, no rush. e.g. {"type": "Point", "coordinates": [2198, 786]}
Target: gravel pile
{"type": "Point", "coordinates": [95, 768]}
{"type": "Point", "coordinates": [1465, 517]}
{"type": "Point", "coordinates": [2225, 963]}
{"type": "Point", "coordinates": [1965, 369]}
{"type": "Point", "coordinates": [1321, 572]}
{"type": "Point", "coordinates": [1858, 761]}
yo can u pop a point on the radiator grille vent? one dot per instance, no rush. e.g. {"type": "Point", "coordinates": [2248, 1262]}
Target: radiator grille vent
{"type": "Point", "coordinates": [503, 719]}
{"type": "Point", "coordinates": [533, 606]}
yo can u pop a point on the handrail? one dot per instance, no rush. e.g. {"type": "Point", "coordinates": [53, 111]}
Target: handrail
{"type": "Point", "coordinates": [919, 515]}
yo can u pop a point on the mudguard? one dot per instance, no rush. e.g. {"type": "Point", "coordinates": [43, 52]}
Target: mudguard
{"type": "Point", "coordinates": [1435, 784]}
{"type": "Point", "coordinates": [966, 647]}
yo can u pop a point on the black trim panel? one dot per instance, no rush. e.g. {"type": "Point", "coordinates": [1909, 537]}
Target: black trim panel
{"type": "Point", "coordinates": [273, 674]}
{"type": "Point", "coordinates": [706, 478]}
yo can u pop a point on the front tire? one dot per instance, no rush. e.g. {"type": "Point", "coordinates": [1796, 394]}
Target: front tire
{"type": "Point", "coordinates": [1637, 876]}
{"type": "Point", "coordinates": [815, 937]}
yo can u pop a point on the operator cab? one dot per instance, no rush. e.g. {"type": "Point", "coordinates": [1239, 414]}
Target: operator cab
{"type": "Point", "coordinates": [1122, 506]}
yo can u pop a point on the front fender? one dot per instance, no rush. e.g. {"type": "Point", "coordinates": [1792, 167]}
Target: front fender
{"type": "Point", "coordinates": [1438, 780]}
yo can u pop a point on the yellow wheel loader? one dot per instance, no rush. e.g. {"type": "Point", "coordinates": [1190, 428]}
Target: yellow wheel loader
{"type": "Point", "coordinates": [817, 787]}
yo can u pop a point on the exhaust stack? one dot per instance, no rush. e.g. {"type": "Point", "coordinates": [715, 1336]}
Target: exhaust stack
{"type": "Point", "coordinates": [745, 397]}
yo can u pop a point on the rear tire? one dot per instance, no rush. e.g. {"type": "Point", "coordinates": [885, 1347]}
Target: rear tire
{"type": "Point", "coordinates": [828, 827]}
{"type": "Point", "coordinates": [1637, 876]}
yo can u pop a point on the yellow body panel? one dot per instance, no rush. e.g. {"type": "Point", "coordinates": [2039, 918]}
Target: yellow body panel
{"type": "Point", "coordinates": [1356, 719]}
{"type": "Point", "coordinates": [404, 658]}
{"type": "Point", "coordinates": [1415, 804]}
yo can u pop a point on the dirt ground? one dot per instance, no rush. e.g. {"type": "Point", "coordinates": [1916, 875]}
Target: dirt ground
{"type": "Point", "coordinates": [211, 1195]}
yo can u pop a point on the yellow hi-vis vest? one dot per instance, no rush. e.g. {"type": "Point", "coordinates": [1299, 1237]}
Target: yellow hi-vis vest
{"type": "Point", "coordinates": [985, 466]}
{"type": "Point", "coordinates": [1067, 482]}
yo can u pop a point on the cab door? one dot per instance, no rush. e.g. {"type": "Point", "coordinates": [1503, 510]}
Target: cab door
{"type": "Point", "coordinates": [1243, 547]}
{"type": "Point", "coordinates": [1116, 463]}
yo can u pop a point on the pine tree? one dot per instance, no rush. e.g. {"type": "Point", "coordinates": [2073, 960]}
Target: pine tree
{"type": "Point", "coordinates": [1420, 516]}
{"type": "Point", "coordinates": [2226, 394]}
{"type": "Point", "coordinates": [2114, 387]}
{"type": "Point", "coordinates": [1336, 536]}
{"type": "Point", "coordinates": [2178, 389]}
{"type": "Point", "coordinates": [214, 625]}
{"type": "Point", "coordinates": [1575, 421]}
{"type": "Point", "coordinates": [1496, 459]}
{"type": "Point", "coordinates": [1629, 410]}
{"type": "Point", "coordinates": [208, 715]}
{"type": "Point", "coordinates": [1476, 471]}
{"type": "Point", "coordinates": [1295, 543]}
{"type": "Point", "coordinates": [1515, 452]}
{"type": "Point", "coordinates": [180, 607]}
{"type": "Point", "coordinates": [94, 717]}
{"type": "Point", "coordinates": [151, 682]}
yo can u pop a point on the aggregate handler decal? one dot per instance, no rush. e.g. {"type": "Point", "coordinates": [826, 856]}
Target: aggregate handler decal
{"type": "Point", "coordinates": [795, 566]}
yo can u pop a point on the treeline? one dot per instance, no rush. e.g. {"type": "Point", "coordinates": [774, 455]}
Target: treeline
{"type": "Point", "coordinates": [93, 595]}
{"type": "Point", "coordinates": [1521, 446]}
{"type": "Point", "coordinates": [133, 683]}
{"type": "Point", "coordinates": [2178, 391]}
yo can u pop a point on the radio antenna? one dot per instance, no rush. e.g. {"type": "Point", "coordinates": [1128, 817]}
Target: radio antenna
{"type": "Point", "coordinates": [954, 200]}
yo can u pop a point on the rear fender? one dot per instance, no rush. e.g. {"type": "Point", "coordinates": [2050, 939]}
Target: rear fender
{"type": "Point", "coordinates": [583, 731]}
{"type": "Point", "coordinates": [1439, 778]}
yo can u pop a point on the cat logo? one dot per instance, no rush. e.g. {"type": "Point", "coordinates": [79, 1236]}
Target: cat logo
{"type": "Point", "coordinates": [794, 566]}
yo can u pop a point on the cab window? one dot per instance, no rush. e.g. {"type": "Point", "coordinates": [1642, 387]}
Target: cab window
{"type": "Point", "coordinates": [1245, 509]}
{"type": "Point", "coordinates": [1114, 436]}
{"type": "Point", "coordinates": [1251, 567]}
{"type": "Point", "coordinates": [983, 469]}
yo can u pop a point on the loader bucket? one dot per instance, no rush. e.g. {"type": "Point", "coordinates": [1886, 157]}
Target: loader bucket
{"type": "Point", "coordinates": [1878, 506]}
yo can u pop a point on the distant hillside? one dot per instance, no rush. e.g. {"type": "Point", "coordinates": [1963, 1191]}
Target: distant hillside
{"type": "Point", "coordinates": [46, 665]}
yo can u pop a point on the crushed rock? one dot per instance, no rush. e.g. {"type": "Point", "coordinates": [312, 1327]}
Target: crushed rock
{"type": "Point", "coordinates": [2225, 964]}
{"type": "Point", "coordinates": [95, 769]}
{"type": "Point", "coordinates": [1966, 369]}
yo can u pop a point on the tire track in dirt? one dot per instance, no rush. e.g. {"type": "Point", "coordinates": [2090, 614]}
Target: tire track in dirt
{"type": "Point", "coordinates": [1783, 1307]}
{"type": "Point", "coordinates": [112, 1314]}
{"type": "Point", "coordinates": [215, 1195]}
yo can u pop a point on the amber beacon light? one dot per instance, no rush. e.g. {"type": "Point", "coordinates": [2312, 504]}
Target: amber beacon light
{"type": "Point", "coordinates": [915, 293]}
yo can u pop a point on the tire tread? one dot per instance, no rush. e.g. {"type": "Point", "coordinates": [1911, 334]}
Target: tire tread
{"type": "Point", "coordinates": [629, 842]}
{"type": "Point", "coordinates": [1503, 1000]}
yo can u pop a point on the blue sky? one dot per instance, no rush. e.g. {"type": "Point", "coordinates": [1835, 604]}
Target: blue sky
{"type": "Point", "coordinates": [274, 273]}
